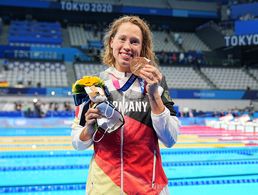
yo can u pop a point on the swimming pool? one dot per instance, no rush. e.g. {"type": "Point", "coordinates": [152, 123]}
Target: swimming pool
{"type": "Point", "coordinates": [43, 162]}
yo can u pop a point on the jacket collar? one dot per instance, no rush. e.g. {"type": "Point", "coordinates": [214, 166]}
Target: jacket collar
{"type": "Point", "coordinates": [118, 74]}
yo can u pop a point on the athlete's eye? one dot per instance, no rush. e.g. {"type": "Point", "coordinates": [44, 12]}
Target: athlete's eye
{"type": "Point", "coordinates": [135, 41]}
{"type": "Point", "coordinates": [122, 38]}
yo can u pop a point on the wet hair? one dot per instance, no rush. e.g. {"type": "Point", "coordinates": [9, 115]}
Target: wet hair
{"type": "Point", "coordinates": [147, 44]}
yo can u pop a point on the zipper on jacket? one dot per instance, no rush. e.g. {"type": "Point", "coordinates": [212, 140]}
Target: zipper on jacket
{"type": "Point", "coordinates": [154, 169]}
{"type": "Point", "coordinates": [122, 145]}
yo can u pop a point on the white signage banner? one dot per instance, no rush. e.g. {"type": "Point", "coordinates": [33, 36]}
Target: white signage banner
{"type": "Point", "coordinates": [241, 40]}
{"type": "Point", "coordinates": [86, 7]}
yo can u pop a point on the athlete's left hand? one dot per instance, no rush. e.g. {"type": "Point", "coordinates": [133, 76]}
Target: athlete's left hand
{"type": "Point", "coordinates": [153, 77]}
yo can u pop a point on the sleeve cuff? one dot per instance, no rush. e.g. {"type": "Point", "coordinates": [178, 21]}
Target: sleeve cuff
{"type": "Point", "coordinates": [79, 144]}
{"type": "Point", "coordinates": [163, 114]}
{"type": "Point", "coordinates": [84, 142]}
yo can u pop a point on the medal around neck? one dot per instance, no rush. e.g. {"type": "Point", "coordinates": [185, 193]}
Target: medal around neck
{"type": "Point", "coordinates": [137, 64]}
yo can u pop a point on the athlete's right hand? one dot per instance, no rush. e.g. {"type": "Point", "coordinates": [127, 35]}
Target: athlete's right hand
{"type": "Point", "coordinates": [90, 117]}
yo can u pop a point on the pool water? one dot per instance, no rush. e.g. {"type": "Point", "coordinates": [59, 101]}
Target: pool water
{"type": "Point", "coordinates": [43, 162]}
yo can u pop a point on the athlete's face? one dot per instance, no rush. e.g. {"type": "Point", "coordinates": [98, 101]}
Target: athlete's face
{"type": "Point", "coordinates": [126, 44]}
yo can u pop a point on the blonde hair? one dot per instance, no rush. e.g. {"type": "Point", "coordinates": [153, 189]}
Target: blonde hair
{"type": "Point", "coordinates": [147, 44]}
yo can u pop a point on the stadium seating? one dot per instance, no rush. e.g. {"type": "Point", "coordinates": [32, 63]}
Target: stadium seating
{"type": "Point", "coordinates": [162, 41]}
{"type": "Point", "coordinates": [161, 45]}
{"type": "Point", "coordinates": [88, 69]}
{"type": "Point", "coordinates": [77, 36]}
{"type": "Point", "coordinates": [253, 72]}
{"type": "Point", "coordinates": [51, 74]}
{"type": "Point", "coordinates": [26, 33]}
{"type": "Point", "coordinates": [183, 78]}
{"type": "Point", "coordinates": [48, 74]}
{"type": "Point", "coordinates": [230, 78]}
{"type": "Point", "coordinates": [192, 42]}
{"type": "Point", "coordinates": [85, 38]}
